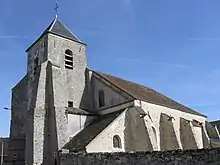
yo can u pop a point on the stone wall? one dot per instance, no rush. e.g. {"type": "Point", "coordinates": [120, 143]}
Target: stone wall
{"type": "Point", "coordinates": [153, 120]}
{"type": "Point", "coordinates": [19, 109]}
{"type": "Point", "coordinates": [14, 151]}
{"type": "Point", "coordinates": [112, 95]}
{"type": "Point", "coordinates": [197, 157]}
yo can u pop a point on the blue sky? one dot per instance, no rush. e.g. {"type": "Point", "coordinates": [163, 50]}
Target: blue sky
{"type": "Point", "coordinates": [172, 46]}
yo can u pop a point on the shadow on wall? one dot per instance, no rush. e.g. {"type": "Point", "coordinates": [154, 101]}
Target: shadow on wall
{"type": "Point", "coordinates": [136, 134]}
{"type": "Point", "coordinates": [168, 140]}
{"type": "Point", "coordinates": [87, 98]}
{"type": "Point", "coordinates": [186, 135]}
{"type": "Point", "coordinates": [50, 127]}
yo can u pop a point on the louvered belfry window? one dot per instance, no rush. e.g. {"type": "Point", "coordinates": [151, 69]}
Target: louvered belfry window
{"type": "Point", "coordinates": [68, 59]}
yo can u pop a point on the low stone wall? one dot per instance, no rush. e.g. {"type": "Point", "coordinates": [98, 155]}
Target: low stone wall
{"type": "Point", "coordinates": [189, 157]}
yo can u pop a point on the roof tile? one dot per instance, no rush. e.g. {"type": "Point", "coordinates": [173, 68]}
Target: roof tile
{"type": "Point", "coordinates": [147, 94]}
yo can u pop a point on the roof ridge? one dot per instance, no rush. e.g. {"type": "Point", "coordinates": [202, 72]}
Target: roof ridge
{"type": "Point", "coordinates": [56, 27]}
{"type": "Point", "coordinates": [147, 94]}
{"type": "Point", "coordinates": [69, 30]}
{"type": "Point", "coordinates": [100, 74]}
{"type": "Point", "coordinates": [52, 24]}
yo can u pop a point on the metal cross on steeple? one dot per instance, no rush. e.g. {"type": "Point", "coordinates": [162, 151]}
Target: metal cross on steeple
{"type": "Point", "coordinates": [56, 9]}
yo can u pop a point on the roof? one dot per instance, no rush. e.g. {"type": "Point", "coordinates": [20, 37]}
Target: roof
{"type": "Point", "coordinates": [84, 137]}
{"type": "Point", "coordinates": [146, 94]}
{"type": "Point", "coordinates": [78, 111]}
{"type": "Point", "coordinates": [58, 28]}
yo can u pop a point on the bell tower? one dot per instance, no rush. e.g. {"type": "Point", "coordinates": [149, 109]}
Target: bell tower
{"type": "Point", "coordinates": [56, 78]}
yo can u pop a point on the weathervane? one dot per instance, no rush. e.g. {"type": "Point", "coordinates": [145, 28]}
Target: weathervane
{"type": "Point", "coordinates": [56, 9]}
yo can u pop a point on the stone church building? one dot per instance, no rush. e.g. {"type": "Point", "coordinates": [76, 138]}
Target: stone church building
{"type": "Point", "coordinates": [61, 104]}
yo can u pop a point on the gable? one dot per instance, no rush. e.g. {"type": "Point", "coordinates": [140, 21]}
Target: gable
{"type": "Point", "coordinates": [112, 95]}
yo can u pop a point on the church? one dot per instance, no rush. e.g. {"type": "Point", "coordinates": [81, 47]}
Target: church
{"type": "Point", "coordinates": [61, 104]}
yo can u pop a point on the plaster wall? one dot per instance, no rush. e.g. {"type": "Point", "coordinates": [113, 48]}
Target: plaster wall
{"type": "Point", "coordinates": [104, 141]}
{"type": "Point", "coordinates": [19, 109]}
{"type": "Point", "coordinates": [198, 136]}
{"type": "Point", "coordinates": [112, 95]}
{"type": "Point", "coordinates": [154, 120]}
{"type": "Point", "coordinates": [72, 80]}
{"type": "Point", "coordinates": [75, 124]}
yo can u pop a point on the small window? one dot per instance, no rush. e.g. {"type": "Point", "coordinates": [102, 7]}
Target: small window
{"type": "Point", "coordinates": [68, 59]}
{"type": "Point", "coordinates": [101, 98]}
{"type": "Point", "coordinates": [36, 65]}
{"type": "Point", "coordinates": [70, 104]}
{"type": "Point", "coordinates": [117, 142]}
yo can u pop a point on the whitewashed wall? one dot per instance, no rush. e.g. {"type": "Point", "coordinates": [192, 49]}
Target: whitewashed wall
{"type": "Point", "coordinates": [104, 141]}
{"type": "Point", "coordinates": [75, 124]}
{"type": "Point", "coordinates": [155, 112]}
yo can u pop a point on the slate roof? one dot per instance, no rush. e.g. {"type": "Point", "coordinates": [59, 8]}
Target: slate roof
{"type": "Point", "coordinates": [146, 94]}
{"type": "Point", "coordinates": [58, 28]}
{"type": "Point", "coordinates": [84, 137]}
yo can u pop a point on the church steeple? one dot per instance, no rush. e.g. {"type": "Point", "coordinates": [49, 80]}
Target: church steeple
{"type": "Point", "coordinates": [56, 27]}
{"type": "Point", "coordinates": [56, 77]}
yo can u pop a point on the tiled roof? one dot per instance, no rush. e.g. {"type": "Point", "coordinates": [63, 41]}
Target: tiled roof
{"type": "Point", "coordinates": [84, 137]}
{"type": "Point", "coordinates": [146, 94]}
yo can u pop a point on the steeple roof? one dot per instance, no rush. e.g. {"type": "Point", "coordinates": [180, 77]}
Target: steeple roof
{"type": "Point", "coordinates": [58, 28]}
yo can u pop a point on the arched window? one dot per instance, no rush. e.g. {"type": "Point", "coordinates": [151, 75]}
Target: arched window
{"type": "Point", "coordinates": [101, 98]}
{"type": "Point", "coordinates": [69, 52]}
{"type": "Point", "coordinates": [68, 59]}
{"type": "Point", "coordinates": [155, 134]}
{"type": "Point", "coordinates": [117, 142]}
